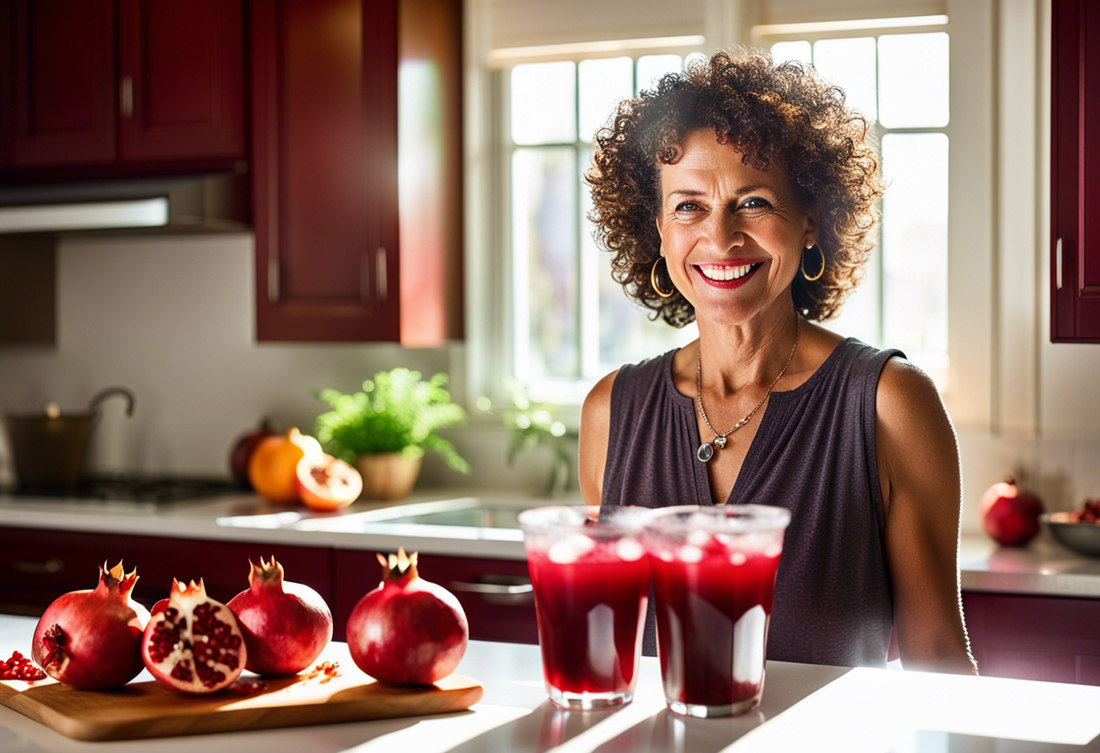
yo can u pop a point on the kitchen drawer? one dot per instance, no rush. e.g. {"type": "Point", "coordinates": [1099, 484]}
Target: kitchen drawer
{"type": "Point", "coordinates": [39, 565]}
{"type": "Point", "coordinates": [493, 593]}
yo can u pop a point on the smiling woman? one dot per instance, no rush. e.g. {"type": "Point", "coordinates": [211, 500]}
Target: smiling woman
{"type": "Point", "coordinates": [740, 195]}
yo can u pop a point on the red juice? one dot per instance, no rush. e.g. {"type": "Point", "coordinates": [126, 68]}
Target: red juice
{"type": "Point", "coordinates": [714, 600]}
{"type": "Point", "coordinates": [590, 598]}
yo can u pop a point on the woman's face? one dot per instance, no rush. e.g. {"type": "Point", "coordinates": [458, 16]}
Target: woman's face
{"type": "Point", "coordinates": [732, 235]}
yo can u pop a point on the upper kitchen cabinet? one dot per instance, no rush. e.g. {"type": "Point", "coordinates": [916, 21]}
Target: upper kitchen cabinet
{"type": "Point", "coordinates": [356, 165]}
{"type": "Point", "coordinates": [1075, 172]}
{"type": "Point", "coordinates": [112, 86]}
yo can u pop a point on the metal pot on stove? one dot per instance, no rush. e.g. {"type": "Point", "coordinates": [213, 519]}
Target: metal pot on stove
{"type": "Point", "coordinates": [49, 447]}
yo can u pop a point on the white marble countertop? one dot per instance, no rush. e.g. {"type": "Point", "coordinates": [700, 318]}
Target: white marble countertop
{"type": "Point", "coordinates": [805, 707]}
{"type": "Point", "coordinates": [1043, 568]}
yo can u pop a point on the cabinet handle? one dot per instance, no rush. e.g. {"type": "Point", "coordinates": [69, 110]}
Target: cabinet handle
{"type": "Point", "coordinates": [1058, 265]}
{"type": "Point", "coordinates": [273, 280]}
{"type": "Point", "coordinates": [496, 589]}
{"type": "Point", "coordinates": [127, 97]}
{"type": "Point", "coordinates": [48, 567]}
{"type": "Point", "coordinates": [381, 269]}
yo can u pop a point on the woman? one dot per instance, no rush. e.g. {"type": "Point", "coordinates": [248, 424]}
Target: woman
{"type": "Point", "coordinates": [741, 195]}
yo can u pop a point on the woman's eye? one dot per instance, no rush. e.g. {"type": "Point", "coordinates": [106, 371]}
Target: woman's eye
{"type": "Point", "coordinates": [755, 202]}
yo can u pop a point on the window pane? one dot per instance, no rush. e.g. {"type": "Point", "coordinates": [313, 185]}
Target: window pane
{"type": "Point", "coordinates": [652, 67]}
{"type": "Point", "coordinates": [914, 244]}
{"type": "Point", "coordinates": [603, 82]}
{"type": "Point", "coordinates": [914, 81]}
{"type": "Point", "coordinates": [860, 317]}
{"type": "Point", "coordinates": [544, 253]}
{"type": "Point", "coordinates": [850, 64]}
{"type": "Point", "coordinates": [544, 103]}
{"type": "Point", "coordinates": [784, 51]}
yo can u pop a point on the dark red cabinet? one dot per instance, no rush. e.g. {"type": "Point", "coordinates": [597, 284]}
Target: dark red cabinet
{"type": "Point", "coordinates": [38, 566]}
{"type": "Point", "coordinates": [64, 82]}
{"type": "Point", "coordinates": [181, 80]}
{"type": "Point", "coordinates": [338, 257]}
{"type": "Point", "coordinates": [125, 82]}
{"type": "Point", "coordinates": [1075, 172]}
{"type": "Point", "coordinates": [1034, 637]}
{"type": "Point", "coordinates": [493, 593]}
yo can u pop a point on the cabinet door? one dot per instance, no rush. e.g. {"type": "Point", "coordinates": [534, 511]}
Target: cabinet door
{"type": "Point", "coordinates": [181, 80]}
{"type": "Point", "coordinates": [1034, 637]}
{"type": "Point", "coordinates": [38, 566]}
{"type": "Point", "coordinates": [493, 593]}
{"type": "Point", "coordinates": [329, 263]}
{"type": "Point", "coordinates": [1075, 172]}
{"type": "Point", "coordinates": [64, 73]}
{"type": "Point", "coordinates": [324, 135]}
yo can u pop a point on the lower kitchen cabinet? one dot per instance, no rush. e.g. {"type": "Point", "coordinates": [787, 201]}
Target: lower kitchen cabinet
{"type": "Point", "coordinates": [38, 566]}
{"type": "Point", "coordinates": [1035, 637]}
{"type": "Point", "coordinates": [495, 594]}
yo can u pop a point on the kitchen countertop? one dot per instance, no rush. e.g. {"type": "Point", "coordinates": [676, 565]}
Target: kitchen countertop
{"type": "Point", "coordinates": [1043, 568]}
{"type": "Point", "coordinates": [805, 707]}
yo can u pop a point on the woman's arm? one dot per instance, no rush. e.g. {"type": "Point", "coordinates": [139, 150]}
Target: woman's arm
{"type": "Point", "coordinates": [918, 462]}
{"type": "Point", "coordinates": [592, 445]}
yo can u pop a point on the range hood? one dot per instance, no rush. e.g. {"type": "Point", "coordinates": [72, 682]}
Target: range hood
{"type": "Point", "coordinates": [203, 203]}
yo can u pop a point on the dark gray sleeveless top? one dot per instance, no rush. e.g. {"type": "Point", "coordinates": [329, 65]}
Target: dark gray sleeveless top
{"type": "Point", "coordinates": [813, 453]}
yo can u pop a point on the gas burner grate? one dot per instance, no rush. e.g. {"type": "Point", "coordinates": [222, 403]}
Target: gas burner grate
{"type": "Point", "coordinates": [133, 488]}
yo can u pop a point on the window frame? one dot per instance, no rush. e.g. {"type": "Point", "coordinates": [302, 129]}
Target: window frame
{"type": "Point", "coordinates": [968, 386]}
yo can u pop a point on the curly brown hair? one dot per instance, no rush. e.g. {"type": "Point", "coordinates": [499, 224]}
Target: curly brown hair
{"type": "Point", "coordinates": [776, 115]}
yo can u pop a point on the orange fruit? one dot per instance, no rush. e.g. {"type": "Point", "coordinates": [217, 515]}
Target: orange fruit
{"type": "Point", "coordinates": [272, 469]}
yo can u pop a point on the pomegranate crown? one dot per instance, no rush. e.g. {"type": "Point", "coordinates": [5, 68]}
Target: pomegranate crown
{"type": "Point", "coordinates": [117, 579]}
{"type": "Point", "coordinates": [265, 574]}
{"type": "Point", "coordinates": [189, 591]}
{"type": "Point", "coordinates": [399, 566]}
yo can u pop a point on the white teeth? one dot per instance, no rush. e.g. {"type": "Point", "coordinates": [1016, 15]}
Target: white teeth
{"type": "Point", "coordinates": [720, 272]}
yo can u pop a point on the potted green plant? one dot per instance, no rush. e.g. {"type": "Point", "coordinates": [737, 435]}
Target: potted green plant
{"type": "Point", "coordinates": [385, 429]}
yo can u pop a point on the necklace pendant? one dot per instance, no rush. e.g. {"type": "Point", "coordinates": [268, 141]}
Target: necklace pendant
{"type": "Point", "coordinates": [719, 442]}
{"type": "Point", "coordinates": [705, 452]}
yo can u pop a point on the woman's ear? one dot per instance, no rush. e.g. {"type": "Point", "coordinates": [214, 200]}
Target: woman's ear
{"type": "Point", "coordinates": [660, 232]}
{"type": "Point", "coordinates": [809, 236]}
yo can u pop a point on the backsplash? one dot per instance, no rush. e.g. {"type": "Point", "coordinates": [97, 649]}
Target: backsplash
{"type": "Point", "coordinates": [172, 319]}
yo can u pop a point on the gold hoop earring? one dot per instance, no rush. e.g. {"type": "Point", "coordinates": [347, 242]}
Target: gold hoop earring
{"type": "Point", "coordinates": [655, 285]}
{"type": "Point", "coordinates": [820, 271]}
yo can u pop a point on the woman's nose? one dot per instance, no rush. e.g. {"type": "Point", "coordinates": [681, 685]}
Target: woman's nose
{"type": "Point", "coordinates": [725, 233]}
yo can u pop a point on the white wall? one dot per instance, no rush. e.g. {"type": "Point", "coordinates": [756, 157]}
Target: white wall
{"type": "Point", "coordinates": [172, 318]}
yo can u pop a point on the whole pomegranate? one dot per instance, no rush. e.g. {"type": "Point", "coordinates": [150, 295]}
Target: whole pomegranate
{"type": "Point", "coordinates": [193, 644]}
{"type": "Point", "coordinates": [91, 639]}
{"type": "Point", "coordinates": [242, 453]}
{"type": "Point", "coordinates": [407, 631]}
{"type": "Point", "coordinates": [285, 625]}
{"type": "Point", "coordinates": [1009, 514]}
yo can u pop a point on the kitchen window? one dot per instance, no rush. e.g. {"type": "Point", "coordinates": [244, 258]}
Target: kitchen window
{"type": "Point", "coordinates": [563, 322]}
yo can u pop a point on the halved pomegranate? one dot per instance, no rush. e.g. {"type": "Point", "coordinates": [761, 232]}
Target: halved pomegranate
{"type": "Point", "coordinates": [327, 483]}
{"type": "Point", "coordinates": [194, 644]}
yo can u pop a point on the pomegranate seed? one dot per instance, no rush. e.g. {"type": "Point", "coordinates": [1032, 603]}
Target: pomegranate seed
{"type": "Point", "coordinates": [19, 667]}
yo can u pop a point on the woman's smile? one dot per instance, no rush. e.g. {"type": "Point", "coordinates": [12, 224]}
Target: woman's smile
{"type": "Point", "coordinates": [728, 275]}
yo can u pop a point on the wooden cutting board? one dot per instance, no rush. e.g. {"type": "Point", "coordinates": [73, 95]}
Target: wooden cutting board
{"type": "Point", "coordinates": [148, 709]}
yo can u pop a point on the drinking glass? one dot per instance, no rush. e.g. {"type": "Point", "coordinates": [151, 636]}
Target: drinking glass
{"type": "Point", "coordinates": [713, 579]}
{"type": "Point", "coordinates": [591, 583]}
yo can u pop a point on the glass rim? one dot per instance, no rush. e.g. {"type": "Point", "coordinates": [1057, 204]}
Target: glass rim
{"type": "Point", "coordinates": [628, 519]}
{"type": "Point", "coordinates": [733, 519]}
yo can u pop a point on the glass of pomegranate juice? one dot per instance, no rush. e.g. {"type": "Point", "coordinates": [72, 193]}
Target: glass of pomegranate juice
{"type": "Point", "coordinates": [591, 583]}
{"type": "Point", "coordinates": [713, 579]}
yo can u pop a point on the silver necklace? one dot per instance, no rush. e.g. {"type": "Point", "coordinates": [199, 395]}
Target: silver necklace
{"type": "Point", "coordinates": [706, 449]}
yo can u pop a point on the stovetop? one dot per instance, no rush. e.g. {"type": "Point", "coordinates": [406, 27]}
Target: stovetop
{"type": "Point", "coordinates": [127, 488]}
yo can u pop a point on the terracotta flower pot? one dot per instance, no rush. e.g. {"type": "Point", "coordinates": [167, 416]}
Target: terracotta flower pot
{"type": "Point", "coordinates": [387, 476]}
